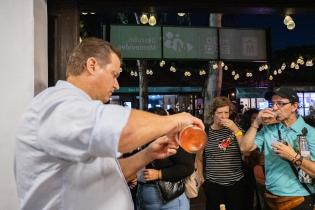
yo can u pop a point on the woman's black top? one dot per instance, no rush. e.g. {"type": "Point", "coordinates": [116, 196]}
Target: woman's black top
{"type": "Point", "coordinates": [175, 167]}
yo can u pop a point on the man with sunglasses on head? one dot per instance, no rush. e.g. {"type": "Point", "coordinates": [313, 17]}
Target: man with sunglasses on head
{"type": "Point", "coordinates": [278, 140]}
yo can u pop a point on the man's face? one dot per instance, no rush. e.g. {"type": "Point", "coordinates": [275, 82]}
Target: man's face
{"type": "Point", "coordinates": [283, 108]}
{"type": "Point", "coordinates": [106, 78]}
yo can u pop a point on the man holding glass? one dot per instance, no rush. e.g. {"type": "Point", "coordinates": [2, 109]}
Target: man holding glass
{"type": "Point", "coordinates": [278, 140]}
{"type": "Point", "coordinates": [68, 140]}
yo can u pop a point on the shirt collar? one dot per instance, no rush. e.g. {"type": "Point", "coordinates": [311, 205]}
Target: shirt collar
{"type": "Point", "coordinates": [297, 126]}
{"type": "Point", "coordinates": [66, 84]}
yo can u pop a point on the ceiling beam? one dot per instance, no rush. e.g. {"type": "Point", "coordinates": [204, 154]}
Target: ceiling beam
{"type": "Point", "coordinates": [211, 6]}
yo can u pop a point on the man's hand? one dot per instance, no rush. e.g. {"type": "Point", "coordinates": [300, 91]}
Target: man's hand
{"type": "Point", "coordinates": [185, 119]}
{"type": "Point", "coordinates": [284, 151]}
{"type": "Point", "coordinates": [161, 148]}
{"type": "Point", "coordinates": [132, 183]}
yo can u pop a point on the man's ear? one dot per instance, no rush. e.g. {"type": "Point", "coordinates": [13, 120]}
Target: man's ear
{"type": "Point", "coordinates": [296, 107]}
{"type": "Point", "coordinates": [90, 65]}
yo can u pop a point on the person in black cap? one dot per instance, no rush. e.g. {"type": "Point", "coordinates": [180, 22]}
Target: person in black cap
{"type": "Point", "coordinates": [281, 122]}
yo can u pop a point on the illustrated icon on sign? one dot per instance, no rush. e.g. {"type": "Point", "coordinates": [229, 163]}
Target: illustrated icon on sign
{"type": "Point", "coordinates": [249, 46]}
{"type": "Point", "coordinates": [175, 43]}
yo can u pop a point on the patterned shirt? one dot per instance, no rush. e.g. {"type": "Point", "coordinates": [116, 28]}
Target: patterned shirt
{"type": "Point", "coordinates": [223, 163]}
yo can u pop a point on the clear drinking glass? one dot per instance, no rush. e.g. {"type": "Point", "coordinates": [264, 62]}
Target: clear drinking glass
{"type": "Point", "coordinates": [270, 119]}
{"type": "Point", "coordinates": [192, 139]}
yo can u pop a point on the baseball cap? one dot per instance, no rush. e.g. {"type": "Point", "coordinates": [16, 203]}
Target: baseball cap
{"type": "Point", "coordinates": [286, 92]}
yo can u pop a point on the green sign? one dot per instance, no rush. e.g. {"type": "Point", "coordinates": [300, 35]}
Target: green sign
{"type": "Point", "coordinates": [161, 90]}
{"type": "Point", "coordinates": [252, 92]}
{"type": "Point", "coordinates": [137, 41]}
{"type": "Point", "coordinates": [243, 44]}
{"type": "Point", "coordinates": [190, 43]}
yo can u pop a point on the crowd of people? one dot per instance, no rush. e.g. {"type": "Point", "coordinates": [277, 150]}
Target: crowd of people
{"type": "Point", "coordinates": [70, 146]}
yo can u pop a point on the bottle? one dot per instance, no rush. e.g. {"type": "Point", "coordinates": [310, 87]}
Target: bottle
{"type": "Point", "coordinates": [192, 139]}
{"type": "Point", "coordinates": [306, 154]}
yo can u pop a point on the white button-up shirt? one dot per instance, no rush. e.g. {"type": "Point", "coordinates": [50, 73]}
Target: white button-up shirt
{"type": "Point", "coordinates": [66, 153]}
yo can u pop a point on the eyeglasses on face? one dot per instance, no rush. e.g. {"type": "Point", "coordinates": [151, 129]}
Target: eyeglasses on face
{"type": "Point", "coordinates": [279, 103]}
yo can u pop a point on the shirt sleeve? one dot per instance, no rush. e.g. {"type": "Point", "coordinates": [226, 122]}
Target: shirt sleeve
{"type": "Point", "coordinates": [81, 130]}
{"type": "Point", "coordinates": [259, 140]}
{"type": "Point", "coordinates": [311, 141]}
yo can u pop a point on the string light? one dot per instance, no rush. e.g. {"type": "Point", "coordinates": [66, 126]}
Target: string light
{"type": "Point", "coordinates": [286, 19]}
{"type": "Point", "coordinates": [283, 66]}
{"type": "Point", "coordinates": [309, 63]}
{"type": "Point", "coordinates": [187, 74]}
{"type": "Point", "coordinates": [162, 63]}
{"type": "Point", "coordinates": [202, 72]}
{"type": "Point", "coordinates": [181, 14]}
{"type": "Point", "coordinates": [291, 25]}
{"type": "Point", "coordinates": [144, 18]}
{"type": "Point", "coordinates": [152, 20]}
{"type": "Point", "coordinates": [296, 64]}
{"type": "Point", "coordinates": [172, 69]}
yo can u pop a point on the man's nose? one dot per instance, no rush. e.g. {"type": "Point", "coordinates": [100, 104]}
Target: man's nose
{"type": "Point", "coordinates": [116, 84]}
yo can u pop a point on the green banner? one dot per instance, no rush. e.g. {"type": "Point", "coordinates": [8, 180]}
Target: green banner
{"type": "Point", "coordinates": [190, 43]}
{"type": "Point", "coordinates": [137, 41]}
{"type": "Point", "coordinates": [161, 90]}
{"type": "Point", "coordinates": [243, 44]}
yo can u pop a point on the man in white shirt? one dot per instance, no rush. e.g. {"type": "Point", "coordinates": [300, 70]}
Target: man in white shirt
{"type": "Point", "coordinates": [68, 141]}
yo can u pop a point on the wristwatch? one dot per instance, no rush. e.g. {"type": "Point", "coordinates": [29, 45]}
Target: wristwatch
{"type": "Point", "coordinates": [299, 161]}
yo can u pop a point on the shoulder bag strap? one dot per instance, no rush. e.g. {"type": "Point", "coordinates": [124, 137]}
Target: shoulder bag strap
{"type": "Point", "coordinates": [295, 171]}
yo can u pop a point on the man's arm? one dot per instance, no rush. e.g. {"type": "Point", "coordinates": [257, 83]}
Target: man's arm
{"type": "Point", "coordinates": [143, 127]}
{"type": "Point", "coordinates": [288, 153]}
{"type": "Point", "coordinates": [248, 141]}
{"type": "Point", "coordinates": [309, 167]}
{"type": "Point", "coordinates": [159, 149]}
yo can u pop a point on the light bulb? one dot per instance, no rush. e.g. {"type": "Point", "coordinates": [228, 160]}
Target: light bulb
{"type": "Point", "coordinates": [291, 25]}
{"type": "Point", "coordinates": [181, 14]}
{"type": "Point", "coordinates": [287, 19]}
{"type": "Point", "coordinates": [309, 63]}
{"type": "Point", "coordinates": [144, 19]}
{"type": "Point", "coordinates": [152, 20]}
